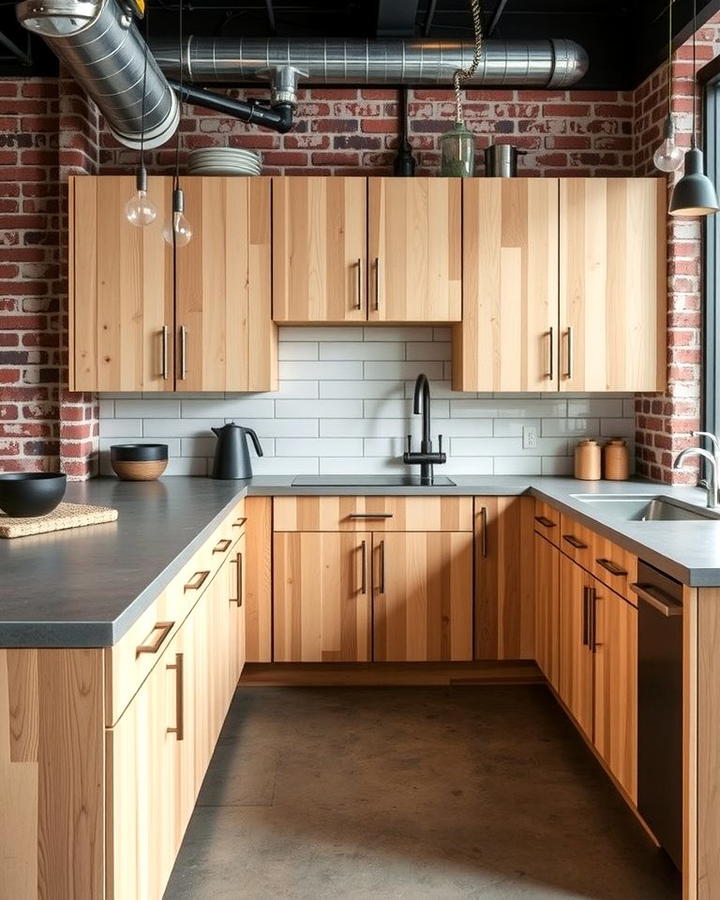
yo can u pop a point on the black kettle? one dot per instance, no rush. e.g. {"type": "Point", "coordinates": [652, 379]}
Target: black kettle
{"type": "Point", "coordinates": [232, 457]}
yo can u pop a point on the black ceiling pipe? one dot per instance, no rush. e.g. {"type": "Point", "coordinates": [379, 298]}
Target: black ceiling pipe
{"type": "Point", "coordinates": [279, 117]}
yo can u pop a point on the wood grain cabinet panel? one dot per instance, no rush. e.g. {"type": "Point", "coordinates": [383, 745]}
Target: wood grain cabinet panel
{"type": "Point", "coordinates": [322, 597]}
{"type": "Point", "coordinates": [616, 700]}
{"type": "Point", "coordinates": [258, 579]}
{"type": "Point", "coordinates": [508, 339]}
{"type": "Point", "coordinates": [504, 604]}
{"type": "Point", "coordinates": [225, 337]}
{"type": "Point", "coordinates": [547, 609]}
{"type": "Point", "coordinates": [414, 250]}
{"type": "Point", "coordinates": [373, 513]}
{"type": "Point", "coordinates": [422, 596]}
{"type": "Point", "coordinates": [576, 667]}
{"type": "Point", "coordinates": [121, 289]}
{"type": "Point", "coordinates": [319, 249]}
{"type": "Point", "coordinates": [612, 284]}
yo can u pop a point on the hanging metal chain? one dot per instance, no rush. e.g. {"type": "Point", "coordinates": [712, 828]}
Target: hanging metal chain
{"type": "Point", "coordinates": [463, 74]}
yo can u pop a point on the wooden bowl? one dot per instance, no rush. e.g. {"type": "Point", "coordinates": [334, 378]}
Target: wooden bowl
{"type": "Point", "coordinates": [139, 462]}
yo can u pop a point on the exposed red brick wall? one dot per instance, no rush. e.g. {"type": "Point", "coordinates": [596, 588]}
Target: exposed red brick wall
{"type": "Point", "coordinates": [665, 422]}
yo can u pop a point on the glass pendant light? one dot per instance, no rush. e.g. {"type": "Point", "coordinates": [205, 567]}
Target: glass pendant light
{"type": "Point", "coordinates": [179, 231]}
{"type": "Point", "coordinates": [668, 156]}
{"type": "Point", "coordinates": [694, 194]}
{"type": "Point", "coordinates": [457, 146]}
{"type": "Point", "coordinates": [140, 210]}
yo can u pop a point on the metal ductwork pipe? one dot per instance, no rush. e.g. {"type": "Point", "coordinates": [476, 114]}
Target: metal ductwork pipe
{"type": "Point", "coordinates": [102, 48]}
{"type": "Point", "coordinates": [539, 64]}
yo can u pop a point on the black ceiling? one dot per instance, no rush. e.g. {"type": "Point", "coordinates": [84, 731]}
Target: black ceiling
{"type": "Point", "coordinates": [625, 40]}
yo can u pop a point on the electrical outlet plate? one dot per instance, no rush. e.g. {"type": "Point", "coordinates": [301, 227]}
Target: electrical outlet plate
{"type": "Point", "coordinates": [530, 437]}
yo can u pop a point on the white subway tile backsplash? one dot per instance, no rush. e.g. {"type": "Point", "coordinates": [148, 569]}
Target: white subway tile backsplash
{"type": "Point", "coordinates": [345, 406]}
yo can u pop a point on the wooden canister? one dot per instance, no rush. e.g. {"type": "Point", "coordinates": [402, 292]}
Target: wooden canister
{"type": "Point", "coordinates": [616, 460]}
{"type": "Point", "coordinates": [588, 460]}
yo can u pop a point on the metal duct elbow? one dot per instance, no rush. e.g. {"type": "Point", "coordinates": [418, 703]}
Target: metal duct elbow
{"type": "Point", "coordinates": [540, 64]}
{"type": "Point", "coordinates": [104, 51]}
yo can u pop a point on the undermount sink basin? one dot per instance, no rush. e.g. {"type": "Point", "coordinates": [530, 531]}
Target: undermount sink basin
{"type": "Point", "coordinates": [368, 481]}
{"type": "Point", "coordinates": [645, 508]}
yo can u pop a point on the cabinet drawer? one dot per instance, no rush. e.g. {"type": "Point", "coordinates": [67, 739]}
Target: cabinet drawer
{"type": "Point", "coordinates": [547, 521]}
{"type": "Point", "coordinates": [129, 662]}
{"type": "Point", "coordinates": [373, 514]}
{"type": "Point", "coordinates": [615, 567]}
{"type": "Point", "coordinates": [576, 541]}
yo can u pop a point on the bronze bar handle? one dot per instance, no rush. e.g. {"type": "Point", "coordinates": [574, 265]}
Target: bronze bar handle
{"type": "Point", "coordinates": [483, 532]}
{"type": "Point", "coordinates": [545, 522]}
{"type": "Point", "coordinates": [363, 578]}
{"type": "Point", "coordinates": [585, 619]}
{"type": "Point", "coordinates": [377, 515]}
{"type": "Point", "coordinates": [611, 567]}
{"type": "Point", "coordinates": [200, 579]}
{"type": "Point", "coordinates": [163, 629]}
{"type": "Point", "coordinates": [179, 729]}
{"type": "Point", "coordinates": [551, 368]}
{"type": "Point", "coordinates": [165, 366]}
{"type": "Point", "coordinates": [240, 522]}
{"type": "Point", "coordinates": [358, 285]}
{"type": "Point", "coordinates": [570, 360]}
{"type": "Point", "coordinates": [377, 283]}
{"type": "Point", "coordinates": [238, 601]}
{"type": "Point", "coordinates": [574, 542]}
{"type": "Point", "coordinates": [222, 546]}
{"type": "Point", "coordinates": [382, 567]}
{"type": "Point", "coordinates": [592, 604]}
{"type": "Point", "coordinates": [183, 352]}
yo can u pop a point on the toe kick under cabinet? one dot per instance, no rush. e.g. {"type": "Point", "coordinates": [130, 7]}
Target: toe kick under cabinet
{"type": "Point", "coordinates": [103, 751]}
{"type": "Point", "coordinates": [387, 579]}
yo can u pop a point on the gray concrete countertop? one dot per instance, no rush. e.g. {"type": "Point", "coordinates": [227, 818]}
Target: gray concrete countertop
{"type": "Point", "coordinates": [85, 587]}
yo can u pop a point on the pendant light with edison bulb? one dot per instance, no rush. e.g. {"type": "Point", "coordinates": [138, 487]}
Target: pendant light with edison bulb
{"type": "Point", "coordinates": [178, 233]}
{"type": "Point", "coordinates": [140, 210]}
{"type": "Point", "coordinates": [694, 194]}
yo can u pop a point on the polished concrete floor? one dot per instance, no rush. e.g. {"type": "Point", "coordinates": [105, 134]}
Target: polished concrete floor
{"type": "Point", "coordinates": [410, 793]}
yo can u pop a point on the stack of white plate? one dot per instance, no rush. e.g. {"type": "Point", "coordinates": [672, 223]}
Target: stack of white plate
{"type": "Point", "coordinates": [224, 161]}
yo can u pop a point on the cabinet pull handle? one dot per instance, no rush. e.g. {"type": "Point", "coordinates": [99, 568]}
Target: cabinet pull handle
{"type": "Point", "coordinates": [196, 582]}
{"type": "Point", "coordinates": [222, 546]}
{"type": "Point", "coordinates": [377, 283]}
{"type": "Point", "coordinates": [183, 352]}
{"type": "Point", "coordinates": [574, 542]}
{"type": "Point", "coordinates": [545, 522]}
{"type": "Point", "coordinates": [240, 522]}
{"type": "Point", "coordinates": [551, 365]}
{"type": "Point", "coordinates": [658, 599]}
{"type": "Point", "coordinates": [179, 729]}
{"type": "Point", "coordinates": [592, 606]}
{"type": "Point", "coordinates": [165, 366]}
{"type": "Point", "coordinates": [238, 601]}
{"type": "Point", "coordinates": [570, 357]}
{"type": "Point", "coordinates": [382, 567]}
{"type": "Point", "coordinates": [358, 285]}
{"type": "Point", "coordinates": [585, 618]}
{"type": "Point", "coordinates": [363, 577]}
{"type": "Point", "coordinates": [163, 630]}
{"type": "Point", "coordinates": [371, 515]}
{"type": "Point", "coordinates": [611, 567]}
{"type": "Point", "coordinates": [483, 532]}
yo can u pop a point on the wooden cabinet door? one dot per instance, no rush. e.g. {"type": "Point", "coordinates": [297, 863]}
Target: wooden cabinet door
{"type": "Point", "coordinates": [616, 685]}
{"type": "Point", "coordinates": [414, 250]}
{"type": "Point", "coordinates": [613, 284]}
{"type": "Point", "coordinates": [508, 339]}
{"type": "Point", "coordinates": [146, 818]}
{"type": "Point", "coordinates": [237, 594]}
{"type": "Point", "coordinates": [225, 336]}
{"type": "Point", "coordinates": [422, 596]}
{"type": "Point", "coordinates": [121, 289]}
{"type": "Point", "coordinates": [504, 605]}
{"type": "Point", "coordinates": [319, 249]}
{"type": "Point", "coordinates": [575, 669]}
{"type": "Point", "coordinates": [547, 608]}
{"type": "Point", "coordinates": [321, 594]}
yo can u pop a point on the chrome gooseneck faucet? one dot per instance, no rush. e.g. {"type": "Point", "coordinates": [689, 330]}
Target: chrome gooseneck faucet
{"type": "Point", "coordinates": [426, 458]}
{"type": "Point", "coordinates": [713, 460]}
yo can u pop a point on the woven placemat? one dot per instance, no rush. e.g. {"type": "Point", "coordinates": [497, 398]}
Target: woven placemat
{"type": "Point", "coordinates": [66, 515]}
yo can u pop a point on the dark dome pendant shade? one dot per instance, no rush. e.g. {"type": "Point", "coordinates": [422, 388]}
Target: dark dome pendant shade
{"type": "Point", "coordinates": [694, 194]}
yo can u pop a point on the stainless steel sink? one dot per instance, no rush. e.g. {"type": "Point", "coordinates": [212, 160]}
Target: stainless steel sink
{"type": "Point", "coordinates": [645, 508]}
{"type": "Point", "coordinates": [368, 481]}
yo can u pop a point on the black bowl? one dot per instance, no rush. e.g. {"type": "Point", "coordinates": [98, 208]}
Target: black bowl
{"type": "Point", "coordinates": [138, 452]}
{"type": "Point", "coordinates": [30, 493]}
